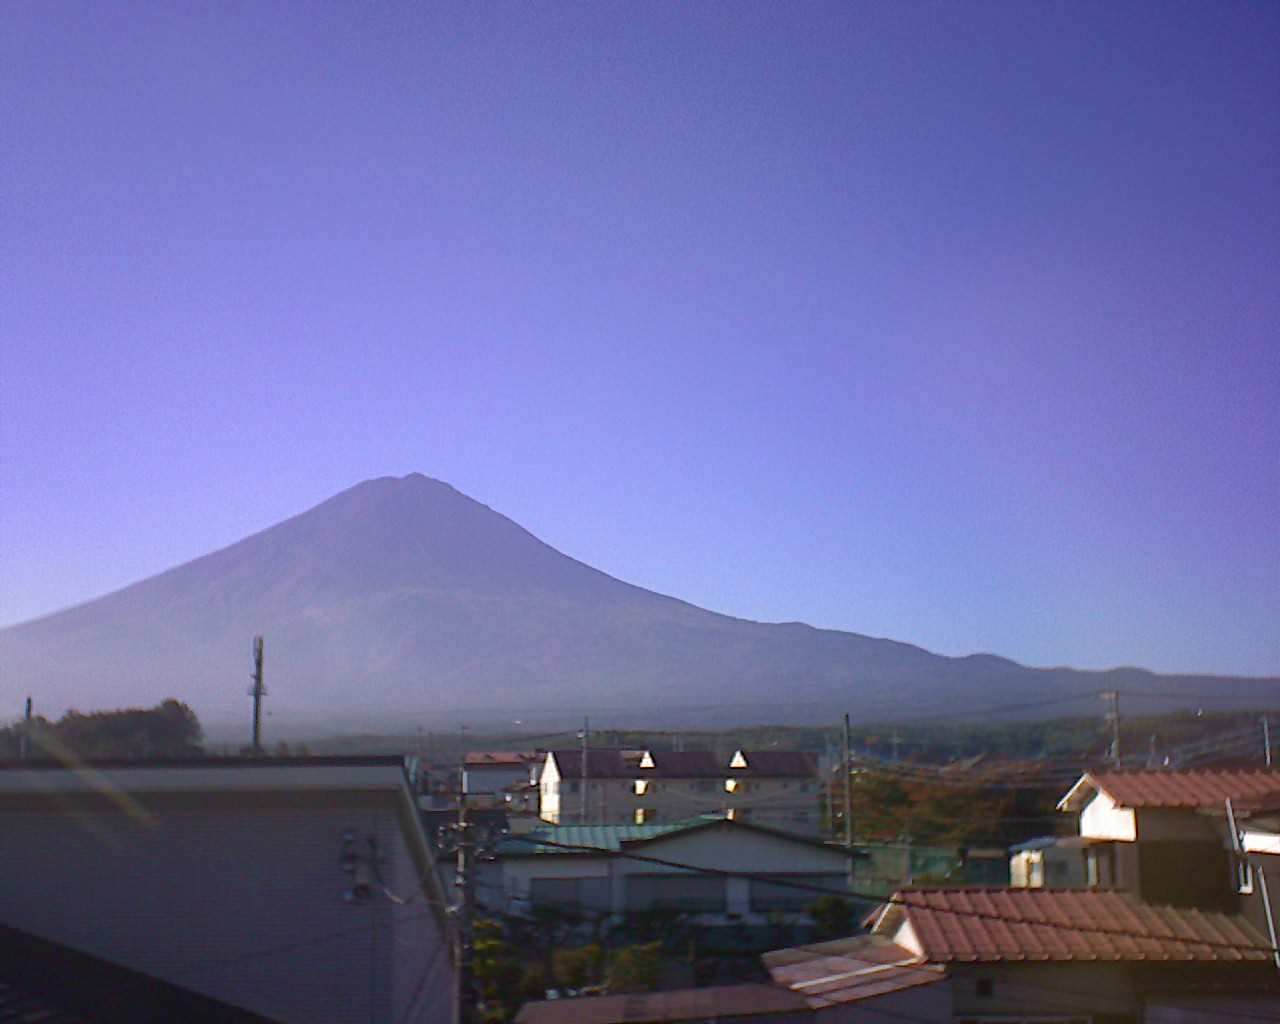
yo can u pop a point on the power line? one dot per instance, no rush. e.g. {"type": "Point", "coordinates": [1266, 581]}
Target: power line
{"type": "Point", "coordinates": [895, 900]}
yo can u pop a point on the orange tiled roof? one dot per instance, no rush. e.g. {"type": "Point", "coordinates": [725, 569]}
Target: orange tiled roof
{"type": "Point", "coordinates": [1203, 788]}
{"type": "Point", "coordinates": [991, 925]}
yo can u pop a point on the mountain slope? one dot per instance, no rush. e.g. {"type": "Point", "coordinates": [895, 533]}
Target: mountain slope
{"type": "Point", "coordinates": [404, 597]}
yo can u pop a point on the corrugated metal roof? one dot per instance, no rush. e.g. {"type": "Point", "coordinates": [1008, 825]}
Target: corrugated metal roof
{"type": "Point", "coordinates": [849, 970]}
{"type": "Point", "coordinates": [689, 1004]}
{"type": "Point", "coordinates": [1189, 789]}
{"type": "Point", "coordinates": [990, 925]}
{"type": "Point", "coordinates": [606, 837]}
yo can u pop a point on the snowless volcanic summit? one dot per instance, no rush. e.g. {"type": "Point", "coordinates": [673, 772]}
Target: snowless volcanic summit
{"type": "Point", "coordinates": [402, 598]}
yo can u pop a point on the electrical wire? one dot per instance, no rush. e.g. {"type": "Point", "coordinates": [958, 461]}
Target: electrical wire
{"type": "Point", "coordinates": [895, 900]}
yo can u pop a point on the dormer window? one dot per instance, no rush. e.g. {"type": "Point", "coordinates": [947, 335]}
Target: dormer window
{"type": "Point", "coordinates": [641, 787]}
{"type": "Point", "coordinates": [1244, 876]}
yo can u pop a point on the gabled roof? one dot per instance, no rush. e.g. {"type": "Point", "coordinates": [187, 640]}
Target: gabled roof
{"type": "Point", "coordinates": [1190, 789]}
{"type": "Point", "coordinates": [602, 763]}
{"type": "Point", "coordinates": [680, 764]}
{"type": "Point", "coordinates": [849, 970]}
{"type": "Point", "coordinates": [999, 925]}
{"type": "Point", "coordinates": [612, 838]}
{"type": "Point", "coordinates": [797, 764]}
{"type": "Point", "coordinates": [597, 837]}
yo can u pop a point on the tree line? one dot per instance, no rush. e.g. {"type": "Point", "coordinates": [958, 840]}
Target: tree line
{"type": "Point", "coordinates": [170, 730]}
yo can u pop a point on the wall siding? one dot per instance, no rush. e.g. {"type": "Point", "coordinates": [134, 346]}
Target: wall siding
{"type": "Point", "coordinates": [244, 904]}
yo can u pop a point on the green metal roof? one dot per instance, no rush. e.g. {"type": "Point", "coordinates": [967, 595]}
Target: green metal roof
{"type": "Point", "coordinates": [604, 837]}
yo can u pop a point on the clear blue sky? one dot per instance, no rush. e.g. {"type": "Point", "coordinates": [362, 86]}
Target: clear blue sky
{"type": "Point", "coordinates": [956, 323]}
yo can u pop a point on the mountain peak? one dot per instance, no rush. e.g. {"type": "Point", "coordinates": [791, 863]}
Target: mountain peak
{"type": "Point", "coordinates": [403, 595]}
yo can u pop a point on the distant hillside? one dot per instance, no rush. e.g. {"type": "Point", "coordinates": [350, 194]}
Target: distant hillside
{"type": "Point", "coordinates": [404, 599]}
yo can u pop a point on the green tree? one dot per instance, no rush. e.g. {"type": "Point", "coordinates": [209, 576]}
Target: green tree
{"type": "Point", "coordinates": [497, 972]}
{"type": "Point", "coordinates": [170, 730]}
{"type": "Point", "coordinates": [578, 968]}
{"type": "Point", "coordinates": [636, 968]}
{"type": "Point", "coordinates": [832, 917]}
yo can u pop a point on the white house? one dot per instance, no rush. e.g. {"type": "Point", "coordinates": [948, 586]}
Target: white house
{"type": "Point", "coordinates": [488, 776]}
{"type": "Point", "coordinates": [1048, 862]}
{"type": "Point", "coordinates": [617, 870]}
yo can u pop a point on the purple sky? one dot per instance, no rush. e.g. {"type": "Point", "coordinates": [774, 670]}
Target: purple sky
{"type": "Point", "coordinates": [956, 323]}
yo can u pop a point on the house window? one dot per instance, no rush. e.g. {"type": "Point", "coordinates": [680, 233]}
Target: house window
{"type": "Point", "coordinates": [573, 787]}
{"type": "Point", "coordinates": [689, 892]}
{"type": "Point", "coordinates": [642, 787]}
{"type": "Point", "coordinates": [645, 815]}
{"type": "Point", "coordinates": [1091, 868]}
{"type": "Point", "coordinates": [1244, 876]}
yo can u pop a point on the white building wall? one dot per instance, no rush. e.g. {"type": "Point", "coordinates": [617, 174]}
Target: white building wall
{"type": "Point", "coordinates": [1102, 818]}
{"type": "Point", "coordinates": [717, 847]}
{"type": "Point", "coordinates": [236, 896]}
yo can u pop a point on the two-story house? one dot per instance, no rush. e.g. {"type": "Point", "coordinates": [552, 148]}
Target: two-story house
{"type": "Point", "coordinates": [1164, 836]}
{"type": "Point", "coordinates": [778, 789]}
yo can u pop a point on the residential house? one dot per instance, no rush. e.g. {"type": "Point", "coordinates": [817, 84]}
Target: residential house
{"type": "Point", "coordinates": [295, 889]}
{"type": "Point", "coordinates": [675, 785]}
{"type": "Point", "coordinates": [1164, 835]}
{"type": "Point", "coordinates": [591, 785]}
{"type": "Point", "coordinates": [609, 786]}
{"type": "Point", "coordinates": [618, 870]}
{"type": "Point", "coordinates": [964, 956]}
{"type": "Point", "coordinates": [1048, 862]}
{"type": "Point", "coordinates": [489, 776]}
{"type": "Point", "coordinates": [775, 787]}
{"type": "Point", "coordinates": [979, 956]}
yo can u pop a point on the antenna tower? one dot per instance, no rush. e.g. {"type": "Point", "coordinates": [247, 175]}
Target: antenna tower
{"type": "Point", "coordinates": [257, 691]}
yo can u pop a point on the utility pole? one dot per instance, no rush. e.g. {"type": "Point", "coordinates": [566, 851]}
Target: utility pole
{"type": "Point", "coordinates": [257, 691]}
{"type": "Point", "coordinates": [1266, 737]}
{"type": "Point", "coordinates": [586, 728]}
{"type": "Point", "coordinates": [24, 742]}
{"type": "Point", "coordinates": [847, 779]}
{"type": "Point", "coordinates": [1113, 696]}
{"type": "Point", "coordinates": [465, 884]}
